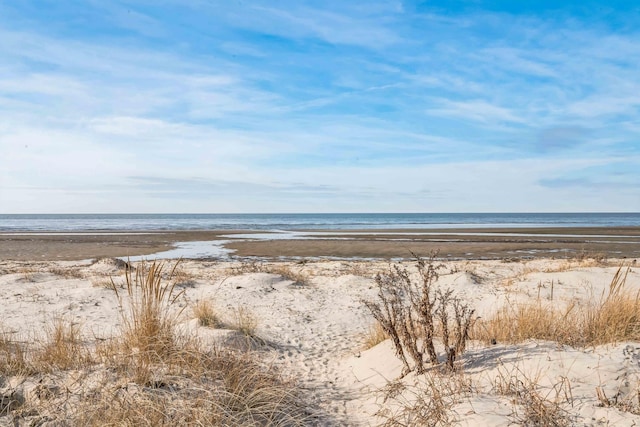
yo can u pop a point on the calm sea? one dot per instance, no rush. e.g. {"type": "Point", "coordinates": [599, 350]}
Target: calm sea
{"type": "Point", "coordinates": [142, 222]}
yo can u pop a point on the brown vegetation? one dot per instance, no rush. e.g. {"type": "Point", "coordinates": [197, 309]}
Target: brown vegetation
{"type": "Point", "coordinates": [150, 374]}
{"type": "Point", "coordinates": [613, 317]}
{"type": "Point", "coordinates": [412, 312]}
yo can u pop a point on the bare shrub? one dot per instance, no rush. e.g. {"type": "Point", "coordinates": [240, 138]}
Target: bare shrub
{"type": "Point", "coordinates": [412, 311]}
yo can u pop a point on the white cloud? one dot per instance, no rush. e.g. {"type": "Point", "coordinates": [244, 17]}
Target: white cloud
{"type": "Point", "coordinates": [476, 110]}
{"type": "Point", "coordinates": [348, 107]}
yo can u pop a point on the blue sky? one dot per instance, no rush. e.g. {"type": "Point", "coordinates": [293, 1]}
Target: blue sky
{"type": "Point", "coordinates": [319, 106]}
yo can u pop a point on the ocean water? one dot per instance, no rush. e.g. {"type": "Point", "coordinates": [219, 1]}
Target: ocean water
{"type": "Point", "coordinates": [271, 222]}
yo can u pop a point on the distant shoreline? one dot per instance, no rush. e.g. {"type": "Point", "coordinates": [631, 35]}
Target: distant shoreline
{"type": "Point", "coordinates": [452, 243]}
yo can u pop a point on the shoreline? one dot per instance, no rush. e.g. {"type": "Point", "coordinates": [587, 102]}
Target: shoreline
{"type": "Point", "coordinates": [461, 243]}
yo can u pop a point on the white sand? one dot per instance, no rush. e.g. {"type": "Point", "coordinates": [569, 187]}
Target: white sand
{"type": "Point", "coordinates": [316, 331]}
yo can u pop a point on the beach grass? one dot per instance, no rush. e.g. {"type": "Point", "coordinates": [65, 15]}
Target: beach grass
{"type": "Point", "coordinates": [148, 374]}
{"type": "Point", "coordinates": [612, 317]}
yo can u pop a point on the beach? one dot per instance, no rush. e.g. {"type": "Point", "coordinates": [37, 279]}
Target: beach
{"type": "Point", "coordinates": [312, 325]}
{"type": "Point", "coordinates": [462, 243]}
{"type": "Point", "coordinates": [305, 293]}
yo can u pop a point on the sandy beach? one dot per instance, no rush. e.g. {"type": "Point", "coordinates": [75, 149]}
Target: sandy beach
{"type": "Point", "coordinates": [311, 324]}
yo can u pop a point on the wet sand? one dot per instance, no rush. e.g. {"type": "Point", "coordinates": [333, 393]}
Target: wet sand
{"type": "Point", "coordinates": [73, 246]}
{"type": "Point", "coordinates": [483, 243]}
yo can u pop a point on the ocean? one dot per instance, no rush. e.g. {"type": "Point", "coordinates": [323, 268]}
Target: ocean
{"type": "Point", "coordinates": [279, 222]}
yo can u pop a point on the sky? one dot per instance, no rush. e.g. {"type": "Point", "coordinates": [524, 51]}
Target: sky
{"type": "Point", "coordinates": [197, 106]}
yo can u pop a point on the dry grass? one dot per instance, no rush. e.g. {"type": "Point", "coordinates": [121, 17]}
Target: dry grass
{"type": "Point", "coordinates": [374, 336]}
{"type": "Point", "coordinates": [298, 277]}
{"type": "Point", "coordinates": [534, 405]}
{"type": "Point", "coordinates": [28, 274]}
{"type": "Point", "coordinates": [245, 322]}
{"type": "Point", "coordinates": [625, 402]}
{"type": "Point", "coordinates": [181, 277]}
{"type": "Point", "coordinates": [13, 356]}
{"type": "Point", "coordinates": [613, 317]}
{"type": "Point", "coordinates": [429, 403]}
{"type": "Point", "coordinates": [248, 266]}
{"type": "Point", "coordinates": [149, 375]}
{"type": "Point", "coordinates": [148, 315]}
{"type": "Point", "coordinates": [104, 282]}
{"type": "Point", "coordinates": [66, 272]}
{"type": "Point", "coordinates": [361, 269]}
{"type": "Point", "coordinates": [205, 313]}
{"type": "Point", "coordinates": [63, 348]}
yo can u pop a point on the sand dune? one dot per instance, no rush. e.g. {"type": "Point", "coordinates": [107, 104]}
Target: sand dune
{"type": "Point", "coordinates": [312, 326]}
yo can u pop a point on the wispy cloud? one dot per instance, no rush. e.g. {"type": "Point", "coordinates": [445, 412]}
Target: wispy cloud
{"type": "Point", "coordinates": [299, 106]}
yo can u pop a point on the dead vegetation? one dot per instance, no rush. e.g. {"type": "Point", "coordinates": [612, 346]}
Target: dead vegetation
{"type": "Point", "coordinates": [534, 405]}
{"type": "Point", "coordinates": [427, 403]}
{"type": "Point", "coordinates": [66, 272]}
{"type": "Point", "coordinates": [611, 318]}
{"type": "Point", "coordinates": [296, 275]}
{"type": "Point", "coordinates": [204, 311]}
{"type": "Point", "coordinates": [149, 374]}
{"type": "Point", "coordinates": [245, 322]}
{"type": "Point", "coordinates": [412, 312]}
{"type": "Point", "coordinates": [374, 336]}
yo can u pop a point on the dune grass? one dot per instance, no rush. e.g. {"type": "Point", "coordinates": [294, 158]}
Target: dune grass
{"type": "Point", "coordinates": [149, 374]}
{"type": "Point", "coordinates": [374, 336]}
{"type": "Point", "coordinates": [204, 311]}
{"type": "Point", "coordinates": [298, 277]}
{"type": "Point", "coordinates": [533, 404]}
{"type": "Point", "coordinates": [613, 317]}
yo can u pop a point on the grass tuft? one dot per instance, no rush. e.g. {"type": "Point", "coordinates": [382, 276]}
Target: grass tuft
{"type": "Point", "coordinates": [151, 374]}
{"type": "Point", "coordinates": [13, 357]}
{"type": "Point", "coordinates": [148, 317]}
{"type": "Point", "coordinates": [245, 322]}
{"type": "Point", "coordinates": [614, 317]}
{"type": "Point", "coordinates": [205, 313]}
{"type": "Point", "coordinates": [374, 336]}
{"type": "Point", "coordinates": [429, 403]}
{"type": "Point", "coordinates": [63, 348]}
{"type": "Point", "coordinates": [534, 405]}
